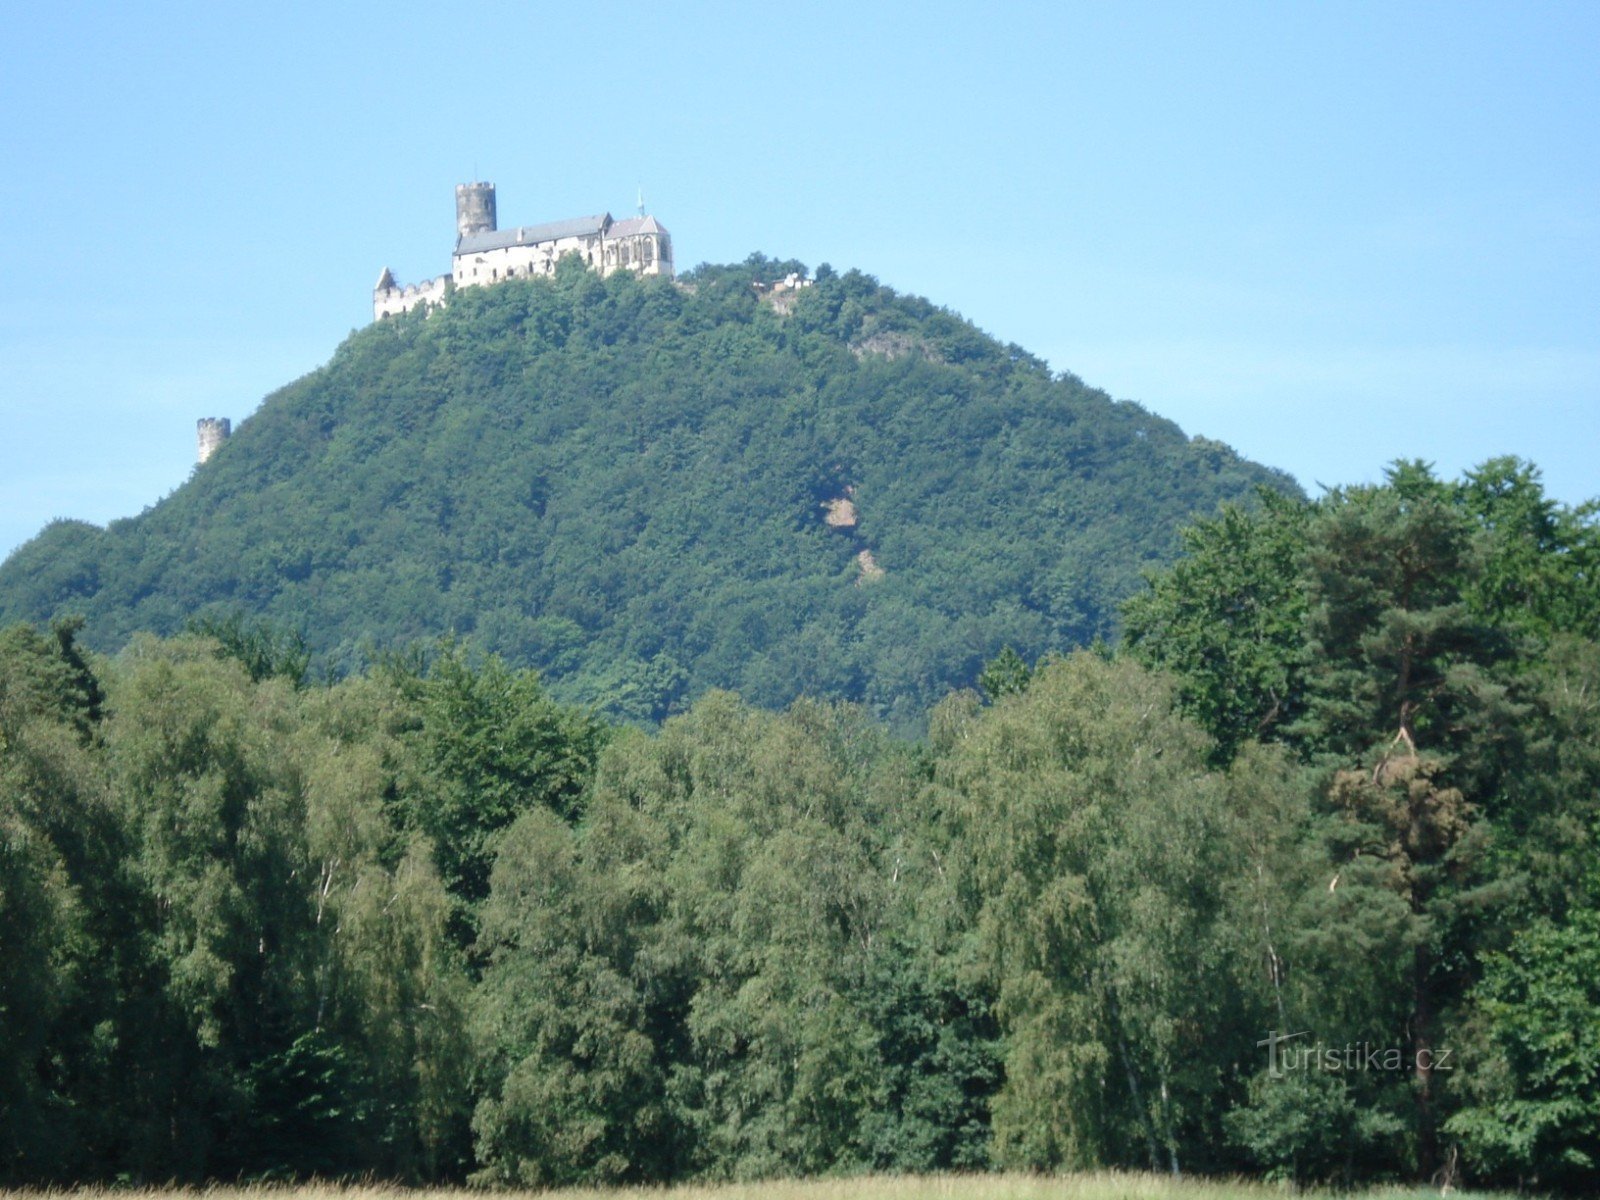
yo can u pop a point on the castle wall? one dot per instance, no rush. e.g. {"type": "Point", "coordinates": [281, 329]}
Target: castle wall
{"type": "Point", "coordinates": [648, 254]}
{"type": "Point", "coordinates": [388, 302]}
{"type": "Point", "coordinates": [519, 262]}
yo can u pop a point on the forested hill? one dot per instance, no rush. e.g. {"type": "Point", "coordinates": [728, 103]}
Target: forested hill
{"type": "Point", "coordinates": [645, 490]}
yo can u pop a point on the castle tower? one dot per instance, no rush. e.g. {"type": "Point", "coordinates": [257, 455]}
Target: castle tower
{"type": "Point", "coordinates": [210, 433]}
{"type": "Point", "coordinates": [474, 208]}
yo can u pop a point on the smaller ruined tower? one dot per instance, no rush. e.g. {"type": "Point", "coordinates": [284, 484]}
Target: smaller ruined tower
{"type": "Point", "coordinates": [474, 208]}
{"type": "Point", "coordinates": [210, 432]}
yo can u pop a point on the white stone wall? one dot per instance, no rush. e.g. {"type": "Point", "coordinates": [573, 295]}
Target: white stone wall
{"type": "Point", "coordinates": [387, 302]}
{"type": "Point", "coordinates": [641, 252]}
{"type": "Point", "coordinates": [519, 262]}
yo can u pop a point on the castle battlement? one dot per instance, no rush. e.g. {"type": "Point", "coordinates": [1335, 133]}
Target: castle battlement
{"type": "Point", "coordinates": [388, 297]}
{"type": "Point", "coordinates": [486, 254]}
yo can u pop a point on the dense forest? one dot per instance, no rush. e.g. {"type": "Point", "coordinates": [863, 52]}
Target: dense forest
{"type": "Point", "coordinates": [1300, 879]}
{"type": "Point", "coordinates": [646, 491]}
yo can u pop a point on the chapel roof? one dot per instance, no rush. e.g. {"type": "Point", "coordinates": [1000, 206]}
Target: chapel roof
{"type": "Point", "coordinates": [635, 225]}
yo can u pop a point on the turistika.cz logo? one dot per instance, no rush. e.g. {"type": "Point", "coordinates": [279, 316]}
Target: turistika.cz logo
{"type": "Point", "coordinates": [1287, 1053]}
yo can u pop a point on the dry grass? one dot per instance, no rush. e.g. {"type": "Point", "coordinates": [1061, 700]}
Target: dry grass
{"type": "Point", "coordinates": [1088, 1186]}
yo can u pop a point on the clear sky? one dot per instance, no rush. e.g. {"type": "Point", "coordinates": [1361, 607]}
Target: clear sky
{"type": "Point", "coordinates": [1329, 234]}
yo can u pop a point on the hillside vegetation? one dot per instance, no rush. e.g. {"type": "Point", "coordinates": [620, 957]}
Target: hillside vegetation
{"type": "Point", "coordinates": [1342, 780]}
{"type": "Point", "coordinates": [628, 485]}
{"type": "Point", "coordinates": [1298, 878]}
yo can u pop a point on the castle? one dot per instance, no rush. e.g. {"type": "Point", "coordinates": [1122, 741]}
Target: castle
{"type": "Point", "coordinates": [486, 254]}
{"type": "Point", "coordinates": [209, 434]}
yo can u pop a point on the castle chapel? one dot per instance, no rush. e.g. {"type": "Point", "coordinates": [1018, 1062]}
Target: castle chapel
{"type": "Point", "coordinates": [486, 254]}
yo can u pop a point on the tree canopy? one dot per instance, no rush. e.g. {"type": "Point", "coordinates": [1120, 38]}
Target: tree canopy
{"type": "Point", "coordinates": [1300, 882]}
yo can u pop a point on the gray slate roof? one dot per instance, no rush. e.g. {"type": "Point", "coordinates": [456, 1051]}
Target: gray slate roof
{"type": "Point", "coordinates": [532, 235]}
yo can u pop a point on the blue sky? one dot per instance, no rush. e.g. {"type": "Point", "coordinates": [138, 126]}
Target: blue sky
{"type": "Point", "coordinates": [1328, 234]}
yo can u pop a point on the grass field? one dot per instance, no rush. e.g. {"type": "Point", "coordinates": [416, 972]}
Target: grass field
{"type": "Point", "coordinates": [1095, 1186]}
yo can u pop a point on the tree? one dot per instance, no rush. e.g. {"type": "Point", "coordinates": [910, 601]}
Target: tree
{"type": "Point", "coordinates": [488, 745]}
{"type": "Point", "coordinates": [1004, 675]}
{"type": "Point", "coordinates": [261, 649]}
{"type": "Point", "coordinates": [1099, 845]}
{"type": "Point", "coordinates": [1228, 619]}
{"type": "Point", "coordinates": [1533, 1111]}
{"type": "Point", "coordinates": [42, 951]}
{"type": "Point", "coordinates": [1406, 695]}
{"type": "Point", "coordinates": [1539, 560]}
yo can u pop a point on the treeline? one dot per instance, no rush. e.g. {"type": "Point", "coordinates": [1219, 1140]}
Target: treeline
{"type": "Point", "coordinates": [1301, 881]}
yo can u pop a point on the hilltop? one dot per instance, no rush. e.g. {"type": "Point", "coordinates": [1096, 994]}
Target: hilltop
{"type": "Point", "coordinates": [647, 489]}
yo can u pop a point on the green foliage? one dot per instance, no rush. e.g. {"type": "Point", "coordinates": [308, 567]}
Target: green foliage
{"type": "Point", "coordinates": [263, 651]}
{"type": "Point", "coordinates": [578, 1091]}
{"type": "Point", "coordinates": [41, 953]}
{"type": "Point", "coordinates": [1311, 1125]}
{"type": "Point", "coordinates": [1541, 560]}
{"type": "Point", "coordinates": [231, 961]}
{"type": "Point", "coordinates": [1397, 652]}
{"type": "Point", "coordinates": [429, 922]}
{"type": "Point", "coordinates": [731, 968]}
{"type": "Point", "coordinates": [620, 483]}
{"type": "Point", "coordinates": [1431, 639]}
{"type": "Point", "coordinates": [1099, 845]}
{"type": "Point", "coordinates": [1005, 675]}
{"type": "Point", "coordinates": [46, 678]}
{"type": "Point", "coordinates": [487, 745]}
{"type": "Point", "coordinates": [1534, 1110]}
{"type": "Point", "coordinates": [1228, 620]}
{"type": "Point", "coordinates": [311, 1106]}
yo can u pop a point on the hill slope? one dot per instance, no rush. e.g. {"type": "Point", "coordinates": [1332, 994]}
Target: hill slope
{"type": "Point", "coordinates": [647, 490]}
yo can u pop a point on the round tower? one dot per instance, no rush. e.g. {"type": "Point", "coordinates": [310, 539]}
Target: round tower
{"type": "Point", "coordinates": [210, 433]}
{"type": "Point", "coordinates": [474, 208]}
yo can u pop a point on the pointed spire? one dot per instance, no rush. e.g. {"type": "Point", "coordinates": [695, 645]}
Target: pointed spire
{"type": "Point", "coordinates": [641, 201]}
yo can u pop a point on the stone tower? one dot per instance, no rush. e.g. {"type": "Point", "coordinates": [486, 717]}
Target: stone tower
{"type": "Point", "coordinates": [210, 432]}
{"type": "Point", "coordinates": [474, 208]}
